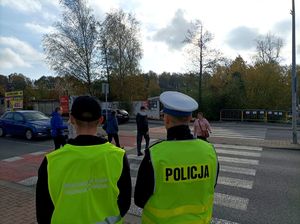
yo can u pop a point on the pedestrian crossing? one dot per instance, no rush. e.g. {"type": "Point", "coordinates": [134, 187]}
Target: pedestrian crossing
{"type": "Point", "coordinates": [238, 165]}
{"type": "Point", "coordinates": [258, 133]}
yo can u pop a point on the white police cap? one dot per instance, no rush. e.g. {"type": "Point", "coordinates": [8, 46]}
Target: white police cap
{"type": "Point", "coordinates": [177, 104]}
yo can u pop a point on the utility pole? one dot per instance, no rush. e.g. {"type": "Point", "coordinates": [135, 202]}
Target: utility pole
{"type": "Point", "coordinates": [294, 77]}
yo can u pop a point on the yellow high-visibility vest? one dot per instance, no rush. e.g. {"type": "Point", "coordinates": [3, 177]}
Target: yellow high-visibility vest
{"type": "Point", "coordinates": [185, 174]}
{"type": "Point", "coordinates": [82, 182]}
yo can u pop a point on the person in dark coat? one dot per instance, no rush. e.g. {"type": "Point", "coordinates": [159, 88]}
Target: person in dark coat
{"type": "Point", "coordinates": [142, 130]}
{"type": "Point", "coordinates": [57, 128]}
{"type": "Point", "coordinates": [92, 177]}
{"type": "Point", "coordinates": [112, 128]}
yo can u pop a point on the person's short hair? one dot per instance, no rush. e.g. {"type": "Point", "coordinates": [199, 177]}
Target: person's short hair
{"type": "Point", "coordinates": [57, 109]}
{"type": "Point", "coordinates": [86, 108]}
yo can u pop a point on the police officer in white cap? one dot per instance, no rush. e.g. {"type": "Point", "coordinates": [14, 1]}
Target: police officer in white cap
{"type": "Point", "coordinates": [177, 177]}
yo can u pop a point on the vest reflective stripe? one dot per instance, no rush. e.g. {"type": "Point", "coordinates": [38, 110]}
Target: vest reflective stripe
{"type": "Point", "coordinates": [202, 221]}
{"type": "Point", "coordinates": [79, 192]}
{"type": "Point", "coordinates": [186, 174]}
{"type": "Point", "coordinates": [166, 213]}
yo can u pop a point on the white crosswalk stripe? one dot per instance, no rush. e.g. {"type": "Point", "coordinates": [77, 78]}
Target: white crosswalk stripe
{"type": "Point", "coordinates": [233, 174]}
{"type": "Point", "coordinates": [253, 148]}
{"type": "Point", "coordinates": [235, 182]}
{"type": "Point", "coordinates": [239, 170]}
{"type": "Point", "coordinates": [238, 160]}
{"type": "Point", "coordinates": [240, 153]}
{"type": "Point", "coordinates": [231, 201]}
{"type": "Point", "coordinates": [242, 133]}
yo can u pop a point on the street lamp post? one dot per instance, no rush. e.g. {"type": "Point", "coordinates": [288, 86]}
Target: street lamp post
{"type": "Point", "coordinates": [294, 77]}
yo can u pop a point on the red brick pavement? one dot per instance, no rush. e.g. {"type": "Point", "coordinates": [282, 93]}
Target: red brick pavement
{"type": "Point", "coordinates": [18, 170]}
{"type": "Point", "coordinates": [17, 204]}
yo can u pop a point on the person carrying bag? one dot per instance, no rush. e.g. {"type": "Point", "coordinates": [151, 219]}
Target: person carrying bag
{"type": "Point", "coordinates": [201, 127]}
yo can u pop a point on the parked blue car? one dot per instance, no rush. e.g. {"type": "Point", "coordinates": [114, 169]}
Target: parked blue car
{"type": "Point", "coordinates": [27, 123]}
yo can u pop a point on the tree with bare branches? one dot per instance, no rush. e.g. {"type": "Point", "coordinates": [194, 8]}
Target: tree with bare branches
{"type": "Point", "coordinates": [200, 54]}
{"type": "Point", "coordinates": [72, 48]}
{"type": "Point", "coordinates": [268, 49]}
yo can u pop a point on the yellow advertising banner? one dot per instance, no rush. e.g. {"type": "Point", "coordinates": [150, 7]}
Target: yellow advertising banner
{"type": "Point", "coordinates": [13, 100]}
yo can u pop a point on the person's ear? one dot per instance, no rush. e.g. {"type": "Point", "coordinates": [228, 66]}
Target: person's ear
{"type": "Point", "coordinates": [101, 119]}
{"type": "Point", "coordinates": [72, 119]}
{"type": "Point", "coordinates": [167, 119]}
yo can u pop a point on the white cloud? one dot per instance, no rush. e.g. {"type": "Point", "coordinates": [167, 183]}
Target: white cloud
{"type": "Point", "coordinates": [174, 33]}
{"type": "Point", "coordinates": [242, 38]}
{"type": "Point", "coordinates": [10, 59]}
{"type": "Point", "coordinates": [23, 5]}
{"type": "Point", "coordinates": [50, 17]}
{"type": "Point", "coordinates": [39, 29]}
{"type": "Point", "coordinates": [54, 3]}
{"type": "Point", "coordinates": [21, 51]}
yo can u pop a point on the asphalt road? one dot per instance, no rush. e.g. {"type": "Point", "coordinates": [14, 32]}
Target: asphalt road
{"type": "Point", "coordinates": [275, 195]}
{"type": "Point", "coordinates": [15, 146]}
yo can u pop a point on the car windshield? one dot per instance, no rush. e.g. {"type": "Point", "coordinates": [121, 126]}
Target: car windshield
{"type": "Point", "coordinates": [33, 116]}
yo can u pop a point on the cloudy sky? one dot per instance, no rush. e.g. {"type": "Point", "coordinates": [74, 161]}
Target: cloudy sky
{"type": "Point", "coordinates": [234, 24]}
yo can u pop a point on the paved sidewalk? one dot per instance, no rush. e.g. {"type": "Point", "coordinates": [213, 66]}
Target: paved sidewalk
{"type": "Point", "coordinates": [17, 204]}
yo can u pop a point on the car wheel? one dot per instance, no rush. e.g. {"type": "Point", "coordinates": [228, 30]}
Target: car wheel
{"type": "Point", "coordinates": [28, 134]}
{"type": "Point", "coordinates": [2, 132]}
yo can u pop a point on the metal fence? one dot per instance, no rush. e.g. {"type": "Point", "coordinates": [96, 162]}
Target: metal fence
{"type": "Point", "coordinates": [259, 115]}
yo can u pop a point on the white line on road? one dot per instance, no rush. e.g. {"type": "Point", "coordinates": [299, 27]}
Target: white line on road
{"type": "Point", "coordinates": [231, 201]}
{"type": "Point", "coordinates": [221, 221]}
{"type": "Point", "coordinates": [239, 170]}
{"type": "Point", "coordinates": [240, 153]}
{"type": "Point", "coordinates": [238, 160]}
{"type": "Point", "coordinates": [12, 159]}
{"type": "Point", "coordinates": [236, 136]}
{"type": "Point", "coordinates": [254, 148]}
{"type": "Point", "coordinates": [235, 182]}
{"type": "Point", "coordinates": [37, 153]}
{"type": "Point", "coordinates": [135, 157]}
{"type": "Point", "coordinates": [29, 181]}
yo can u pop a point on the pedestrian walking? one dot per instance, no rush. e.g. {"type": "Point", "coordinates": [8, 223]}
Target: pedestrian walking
{"type": "Point", "coordinates": [57, 128]}
{"type": "Point", "coordinates": [201, 127]}
{"type": "Point", "coordinates": [177, 177]}
{"type": "Point", "coordinates": [142, 130]}
{"type": "Point", "coordinates": [112, 128]}
{"type": "Point", "coordinates": [88, 179]}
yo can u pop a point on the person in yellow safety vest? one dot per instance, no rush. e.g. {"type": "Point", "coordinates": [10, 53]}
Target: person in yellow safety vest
{"type": "Point", "coordinates": [87, 180]}
{"type": "Point", "coordinates": [177, 177]}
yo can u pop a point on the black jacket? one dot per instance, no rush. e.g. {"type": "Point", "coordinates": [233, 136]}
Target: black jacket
{"type": "Point", "coordinates": [142, 123]}
{"type": "Point", "coordinates": [145, 181]}
{"type": "Point", "coordinates": [44, 204]}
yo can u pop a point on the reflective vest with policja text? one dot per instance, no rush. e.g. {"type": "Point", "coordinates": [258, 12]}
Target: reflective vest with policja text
{"type": "Point", "coordinates": [82, 182]}
{"type": "Point", "coordinates": [185, 174]}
